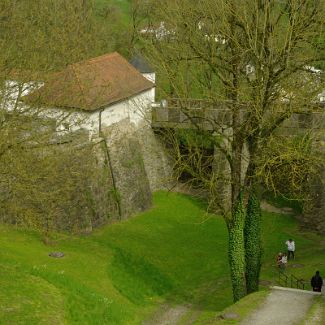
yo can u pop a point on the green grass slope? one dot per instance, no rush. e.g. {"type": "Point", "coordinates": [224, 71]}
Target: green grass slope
{"type": "Point", "coordinates": [175, 253]}
{"type": "Point", "coordinates": [310, 248]}
{"type": "Point", "coordinates": [119, 274]}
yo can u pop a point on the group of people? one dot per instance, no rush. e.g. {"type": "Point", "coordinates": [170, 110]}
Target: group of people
{"type": "Point", "coordinates": [282, 260]}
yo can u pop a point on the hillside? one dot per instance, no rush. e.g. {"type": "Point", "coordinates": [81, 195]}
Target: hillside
{"type": "Point", "coordinates": [172, 255]}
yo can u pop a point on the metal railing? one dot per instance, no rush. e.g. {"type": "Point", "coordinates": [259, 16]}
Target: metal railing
{"type": "Point", "coordinates": [299, 283]}
{"type": "Point", "coordinates": [291, 281]}
{"type": "Point", "coordinates": [283, 279]}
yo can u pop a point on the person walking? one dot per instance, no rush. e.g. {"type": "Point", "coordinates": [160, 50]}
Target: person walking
{"type": "Point", "coordinates": [317, 282]}
{"type": "Point", "coordinates": [291, 248]}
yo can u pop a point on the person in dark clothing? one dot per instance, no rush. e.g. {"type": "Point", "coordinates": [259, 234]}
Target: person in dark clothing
{"type": "Point", "coordinates": [317, 282]}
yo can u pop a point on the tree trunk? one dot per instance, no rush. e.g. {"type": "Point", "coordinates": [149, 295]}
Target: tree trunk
{"type": "Point", "coordinates": [236, 250]}
{"type": "Point", "coordinates": [253, 249]}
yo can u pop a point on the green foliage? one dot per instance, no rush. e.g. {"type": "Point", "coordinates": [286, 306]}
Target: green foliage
{"type": "Point", "coordinates": [194, 138]}
{"type": "Point", "coordinates": [236, 251]}
{"type": "Point", "coordinates": [281, 201]}
{"type": "Point", "coordinates": [46, 35]}
{"type": "Point", "coordinates": [253, 244]}
{"type": "Point", "coordinates": [286, 164]}
{"type": "Point", "coordinates": [319, 43]}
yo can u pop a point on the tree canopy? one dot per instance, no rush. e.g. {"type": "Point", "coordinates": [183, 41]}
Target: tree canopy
{"type": "Point", "coordinates": [256, 58]}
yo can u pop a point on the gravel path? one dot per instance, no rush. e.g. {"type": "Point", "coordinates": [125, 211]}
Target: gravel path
{"type": "Point", "coordinates": [270, 208]}
{"type": "Point", "coordinates": [168, 315]}
{"type": "Point", "coordinates": [282, 307]}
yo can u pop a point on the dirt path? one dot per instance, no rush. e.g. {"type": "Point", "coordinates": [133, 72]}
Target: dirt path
{"type": "Point", "coordinates": [270, 208]}
{"type": "Point", "coordinates": [282, 306]}
{"type": "Point", "coordinates": [168, 315]}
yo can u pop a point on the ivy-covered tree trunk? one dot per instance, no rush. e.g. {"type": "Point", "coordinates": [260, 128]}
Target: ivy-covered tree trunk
{"type": "Point", "coordinates": [236, 251]}
{"type": "Point", "coordinates": [253, 247]}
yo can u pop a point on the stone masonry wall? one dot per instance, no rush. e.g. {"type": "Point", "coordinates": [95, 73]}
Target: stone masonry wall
{"type": "Point", "coordinates": [104, 200]}
{"type": "Point", "coordinates": [131, 163]}
{"type": "Point", "coordinates": [157, 161]}
{"type": "Point", "coordinates": [127, 166]}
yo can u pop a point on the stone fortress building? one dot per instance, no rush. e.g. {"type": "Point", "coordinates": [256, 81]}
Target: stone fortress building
{"type": "Point", "coordinates": [113, 101]}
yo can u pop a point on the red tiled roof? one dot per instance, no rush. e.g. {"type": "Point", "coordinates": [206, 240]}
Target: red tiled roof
{"type": "Point", "coordinates": [92, 84]}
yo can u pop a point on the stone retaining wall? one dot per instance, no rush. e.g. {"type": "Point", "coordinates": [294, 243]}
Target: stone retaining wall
{"type": "Point", "coordinates": [139, 165]}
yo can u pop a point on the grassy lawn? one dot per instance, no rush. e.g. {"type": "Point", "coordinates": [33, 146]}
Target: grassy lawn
{"type": "Point", "coordinates": [310, 248]}
{"type": "Point", "coordinates": [173, 254]}
{"type": "Point", "coordinates": [119, 274]}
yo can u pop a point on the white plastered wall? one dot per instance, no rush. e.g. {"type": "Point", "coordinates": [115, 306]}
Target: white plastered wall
{"type": "Point", "coordinates": [139, 106]}
{"type": "Point", "coordinates": [150, 76]}
{"type": "Point", "coordinates": [134, 109]}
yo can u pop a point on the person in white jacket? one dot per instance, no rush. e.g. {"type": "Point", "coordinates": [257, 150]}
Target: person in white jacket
{"type": "Point", "coordinates": [291, 248]}
{"type": "Point", "coordinates": [284, 261]}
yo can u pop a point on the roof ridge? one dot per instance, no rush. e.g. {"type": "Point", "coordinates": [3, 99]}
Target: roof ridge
{"type": "Point", "coordinates": [104, 56]}
{"type": "Point", "coordinates": [97, 58]}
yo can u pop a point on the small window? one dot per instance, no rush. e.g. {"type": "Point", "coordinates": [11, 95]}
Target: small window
{"type": "Point", "coordinates": [65, 126]}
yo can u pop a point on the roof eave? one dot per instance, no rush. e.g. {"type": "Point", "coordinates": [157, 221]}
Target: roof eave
{"type": "Point", "coordinates": [101, 107]}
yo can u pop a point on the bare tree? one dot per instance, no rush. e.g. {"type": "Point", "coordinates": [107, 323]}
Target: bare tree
{"type": "Point", "coordinates": [250, 60]}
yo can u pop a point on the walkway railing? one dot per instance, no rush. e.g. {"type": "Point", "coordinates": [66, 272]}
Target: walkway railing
{"type": "Point", "coordinates": [298, 283]}
{"type": "Point", "coordinates": [291, 281]}
{"type": "Point", "coordinates": [208, 115]}
{"type": "Point", "coordinates": [283, 279]}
